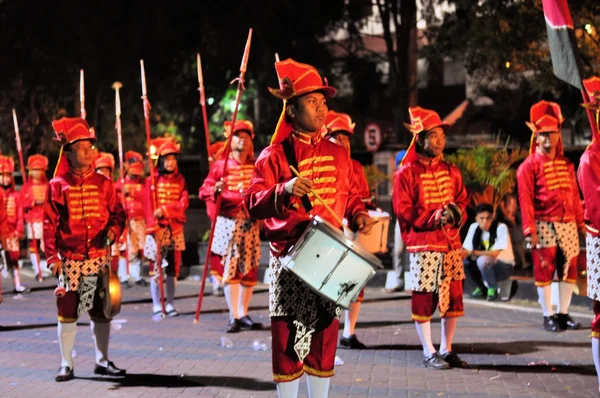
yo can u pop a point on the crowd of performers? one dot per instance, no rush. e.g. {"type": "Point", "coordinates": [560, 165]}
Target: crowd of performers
{"type": "Point", "coordinates": [83, 223]}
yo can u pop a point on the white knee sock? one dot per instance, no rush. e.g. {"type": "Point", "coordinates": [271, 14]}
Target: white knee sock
{"type": "Point", "coordinates": [16, 279]}
{"type": "Point", "coordinates": [171, 285]}
{"type": "Point", "coordinates": [215, 281]}
{"type": "Point", "coordinates": [318, 387]}
{"type": "Point", "coordinates": [135, 269]}
{"type": "Point", "coordinates": [288, 389]}
{"type": "Point", "coordinates": [350, 318]}
{"type": "Point", "coordinates": [155, 293]}
{"type": "Point", "coordinates": [596, 355]}
{"type": "Point", "coordinates": [122, 271]}
{"type": "Point", "coordinates": [545, 299]}
{"type": "Point", "coordinates": [244, 303]}
{"type": "Point", "coordinates": [232, 296]}
{"type": "Point", "coordinates": [66, 340]}
{"type": "Point", "coordinates": [424, 332]}
{"type": "Point", "coordinates": [448, 328]}
{"type": "Point", "coordinates": [34, 263]}
{"type": "Point", "coordinates": [565, 292]}
{"type": "Point", "coordinates": [101, 335]}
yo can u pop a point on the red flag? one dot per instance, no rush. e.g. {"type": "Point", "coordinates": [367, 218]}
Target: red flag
{"type": "Point", "coordinates": [563, 46]}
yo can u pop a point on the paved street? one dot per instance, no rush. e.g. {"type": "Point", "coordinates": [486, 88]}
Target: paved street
{"type": "Point", "coordinates": [509, 353]}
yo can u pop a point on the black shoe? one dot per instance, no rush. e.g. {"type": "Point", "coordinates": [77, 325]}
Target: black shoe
{"type": "Point", "coordinates": [125, 285]}
{"type": "Point", "coordinates": [435, 361]}
{"type": "Point", "coordinates": [65, 373]}
{"type": "Point", "coordinates": [23, 290]}
{"type": "Point", "coordinates": [218, 291]}
{"type": "Point", "coordinates": [109, 370]}
{"type": "Point", "coordinates": [247, 323]}
{"type": "Point", "coordinates": [551, 324]}
{"type": "Point", "coordinates": [454, 360]}
{"type": "Point", "coordinates": [352, 342]}
{"type": "Point", "coordinates": [234, 326]}
{"type": "Point", "coordinates": [141, 282]}
{"type": "Point", "coordinates": [567, 323]}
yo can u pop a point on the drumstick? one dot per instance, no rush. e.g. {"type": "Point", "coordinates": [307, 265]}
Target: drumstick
{"type": "Point", "coordinates": [329, 209]}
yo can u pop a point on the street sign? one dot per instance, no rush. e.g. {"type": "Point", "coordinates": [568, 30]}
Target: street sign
{"type": "Point", "coordinates": [372, 137]}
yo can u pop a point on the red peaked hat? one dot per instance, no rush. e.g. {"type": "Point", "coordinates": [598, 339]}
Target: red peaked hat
{"type": "Point", "coordinates": [104, 159]}
{"type": "Point", "coordinates": [165, 145]}
{"type": "Point", "coordinates": [296, 79]}
{"type": "Point", "coordinates": [336, 121]}
{"type": "Point", "coordinates": [240, 125]}
{"type": "Point", "coordinates": [37, 162]}
{"type": "Point", "coordinates": [544, 116]}
{"type": "Point", "coordinates": [421, 120]}
{"type": "Point", "coordinates": [7, 165]}
{"type": "Point", "coordinates": [69, 130]}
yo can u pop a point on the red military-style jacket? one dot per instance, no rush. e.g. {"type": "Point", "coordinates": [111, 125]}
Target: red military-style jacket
{"type": "Point", "coordinates": [80, 209]}
{"type": "Point", "coordinates": [326, 164]}
{"type": "Point", "coordinates": [32, 192]}
{"type": "Point", "coordinates": [421, 188]}
{"type": "Point", "coordinates": [14, 212]}
{"type": "Point", "coordinates": [236, 183]}
{"type": "Point", "coordinates": [132, 193]}
{"type": "Point", "coordinates": [548, 191]}
{"type": "Point", "coordinates": [365, 190]}
{"type": "Point", "coordinates": [588, 175]}
{"type": "Point", "coordinates": [3, 225]}
{"type": "Point", "coordinates": [171, 197]}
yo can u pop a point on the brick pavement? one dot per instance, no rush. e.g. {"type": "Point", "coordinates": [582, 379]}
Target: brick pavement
{"type": "Point", "coordinates": [175, 358]}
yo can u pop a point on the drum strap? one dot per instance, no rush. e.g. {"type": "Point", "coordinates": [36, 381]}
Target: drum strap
{"type": "Point", "coordinates": [291, 158]}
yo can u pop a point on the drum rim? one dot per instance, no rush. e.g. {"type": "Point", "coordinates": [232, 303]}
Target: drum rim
{"type": "Point", "coordinates": [324, 226]}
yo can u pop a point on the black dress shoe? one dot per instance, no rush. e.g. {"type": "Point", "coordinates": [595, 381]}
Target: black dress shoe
{"type": "Point", "coordinates": [454, 360]}
{"type": "Point", "coordinates": [234, 326]}
{"type": "Point", "coordinates": [551, 324]}
{"type": "Point", "coordinates": [567, 323]}
{"type": "Point", "coordinates": [142, 283]}
{"type": "Point", "coordinates": [65, 373]}
{"type": "Point", "coordinates": [247, 323]}
{"type": "Point", "coordinates": [435, 361]}
{"type": "Point", "coordinates": [109, 370]}
{"type": "Point", "coordinates": [352, 342]}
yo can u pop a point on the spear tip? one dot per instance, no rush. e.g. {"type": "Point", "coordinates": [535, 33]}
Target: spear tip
{"type": "Point", "coordinates": [117, 85]}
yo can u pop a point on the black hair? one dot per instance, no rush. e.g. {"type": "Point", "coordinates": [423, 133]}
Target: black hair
{"type": "Point", "coordinates": [484, 207]}
{"type": "Point", "coordinates": [477, 244]}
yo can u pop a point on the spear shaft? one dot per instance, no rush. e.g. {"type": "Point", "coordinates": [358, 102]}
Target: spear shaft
{"type": "Point", "coordinates": [238, 98]}
{"type": "Point", "coordinates": [153, 193]}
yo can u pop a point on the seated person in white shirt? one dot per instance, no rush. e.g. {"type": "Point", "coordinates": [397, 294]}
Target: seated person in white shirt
{"type": "Point", "coordinates": [488, 253]}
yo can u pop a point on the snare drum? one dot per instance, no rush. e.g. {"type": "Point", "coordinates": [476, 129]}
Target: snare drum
{"type": "Point", "coordinates": [376, 242]}
{"type": "Point", "coordinates": [330, 264]}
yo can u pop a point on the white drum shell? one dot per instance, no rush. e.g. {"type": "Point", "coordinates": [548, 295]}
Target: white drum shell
{"type": "Point", "coordinates": [376, 241]}
{"type": "Point", "coordinates": [314, 258]}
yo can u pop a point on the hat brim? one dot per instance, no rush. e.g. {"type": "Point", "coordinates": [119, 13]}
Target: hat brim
{"type": "Point", "coordinates": [91, 139]}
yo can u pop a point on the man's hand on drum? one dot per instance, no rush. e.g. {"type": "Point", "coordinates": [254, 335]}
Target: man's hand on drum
{"type": "Point", "coordinates": [363, 224]}
{"type": "Point", "coordinates": [298, 186]}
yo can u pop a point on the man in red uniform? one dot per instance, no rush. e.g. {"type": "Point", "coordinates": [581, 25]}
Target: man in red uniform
{"type": "Point", "coordinates": [165, 217]}
{"type": "Point", "coordinates": [552, 213]}
{"type": "Point", "coordinates": [339, 129]}
{"type": "Point", "coordinates": [131, 190]}
{"type": "Point", "coordinates": [303, 324]}
{"type": "Point", "coordinates": [82, 218]}
{"type": "Point", "coordinates": [588, 175]}
{"type": "Point", "coordinates": [429, 200]}
{"type": "Point", "coordinates": [236, 244]}
{"type": "Point", "coordinates": [33, 197]}
{"type": "Point", "coordinates": [14, 219]}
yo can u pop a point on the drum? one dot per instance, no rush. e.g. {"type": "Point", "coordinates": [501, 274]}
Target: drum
{"type": "Point", "coordinates": [376, 242]}
{"type": "Point", "coordinates": [110, 292]}
{"type": "Point", "coordinates": [330, 264]}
